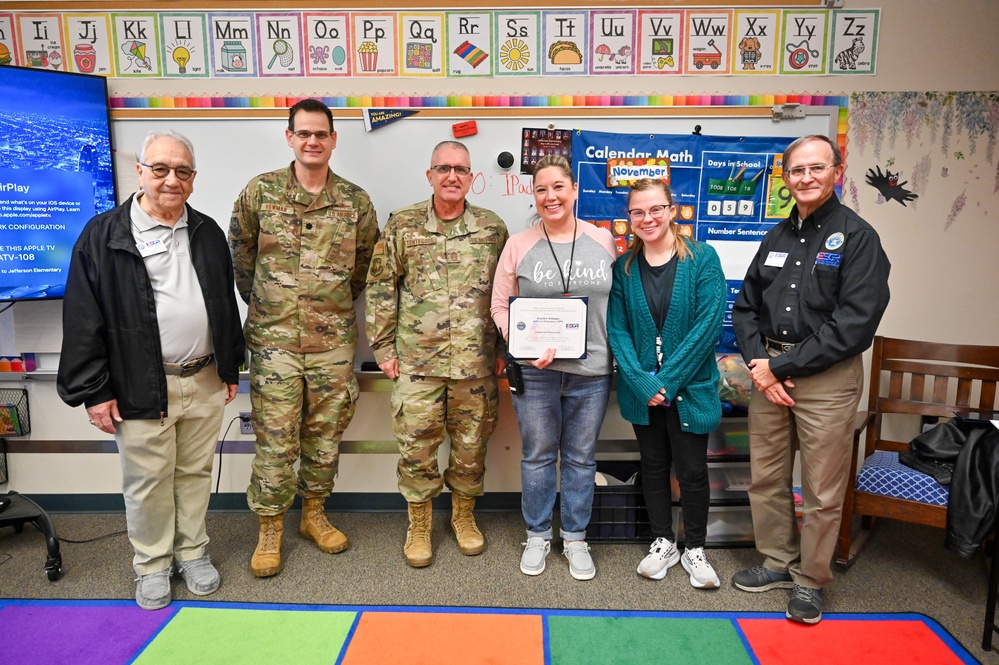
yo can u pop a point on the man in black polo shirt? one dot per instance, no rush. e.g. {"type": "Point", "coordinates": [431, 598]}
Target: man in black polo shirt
{"type": "Point", "coordinates": [809, 307]}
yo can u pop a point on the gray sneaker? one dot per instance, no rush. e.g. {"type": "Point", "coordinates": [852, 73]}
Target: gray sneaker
{"type": "Point", "coordinates": [761, 578]}
{"type": "Point", "coordinates": [580, 562]}
{"type": "Point", "coordinates": [805, 605]}
{"type": "Point", "coordinates": [200, 575]}
{"type": "Point", "coordinates": [662, 556]}
{"type": "Point", "coordinates": [532, 561]}
{"type": "Point", "coordinates": [153, 590]}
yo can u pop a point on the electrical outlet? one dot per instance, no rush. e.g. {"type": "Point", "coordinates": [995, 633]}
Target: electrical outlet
{"type": "Point", "coordinates": [245, 423]}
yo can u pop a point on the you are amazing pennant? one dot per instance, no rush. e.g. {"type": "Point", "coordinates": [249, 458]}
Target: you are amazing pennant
{"type": "Point", "coordinates": [378, 118]}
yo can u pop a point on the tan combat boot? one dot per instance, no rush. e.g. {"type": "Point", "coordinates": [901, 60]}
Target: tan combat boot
{"type": "Point", "coordinates": [317, 528]}
{"type": "Point", "coordinates": [266, 560]}
{"type": "Point", "coordinates": [470, 539]}
{"type": "Point", "coordinates": [418, 550]}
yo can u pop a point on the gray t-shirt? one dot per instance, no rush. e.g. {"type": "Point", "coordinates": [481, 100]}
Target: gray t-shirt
{"type": "Point", "coordinates": [589, 275]}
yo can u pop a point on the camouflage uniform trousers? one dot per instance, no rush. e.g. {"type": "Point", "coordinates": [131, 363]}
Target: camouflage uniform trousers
{"type": "Point", "coordinates": [424, 408]}
{"type": "Point", "coordinates": [302, 403]}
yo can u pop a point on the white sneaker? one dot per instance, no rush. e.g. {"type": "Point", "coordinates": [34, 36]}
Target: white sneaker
{"type": "Point", "coordinates": [702, 575]}
{"type": "Point", "coordinates": [662, 556]}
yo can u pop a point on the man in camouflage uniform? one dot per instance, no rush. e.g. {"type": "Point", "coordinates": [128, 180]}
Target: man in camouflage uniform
{"type": "Point", "coordinates": [429, 290]}
{"type": "Point", "coordinates": [301, 240]}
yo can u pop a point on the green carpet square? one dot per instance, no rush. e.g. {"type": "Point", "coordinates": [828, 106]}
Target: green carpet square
{"type": "Point", "coordinates": [206, 635]}
{"type": "Point", "coordinates": [640, 640]}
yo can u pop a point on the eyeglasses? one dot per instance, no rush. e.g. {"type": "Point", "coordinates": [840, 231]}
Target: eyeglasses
{"type": "Point", "coordinates": [320, 136]}
{"type": "Point", "coordinates": [161, 171]}
{"type": "Point", "coordinates": [445, 169]}
{"type": "Point", "coordinates": [815, 169]}
{"type": "Point", "coordinates": [655, 212]}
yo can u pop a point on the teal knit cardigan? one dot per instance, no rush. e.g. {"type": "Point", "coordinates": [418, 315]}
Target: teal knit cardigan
{"type": "Point", "coordinates": [689, 372]}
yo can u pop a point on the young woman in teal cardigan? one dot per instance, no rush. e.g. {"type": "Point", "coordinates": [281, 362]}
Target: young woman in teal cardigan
{"type": "Point", "coordinates": [663, 320]}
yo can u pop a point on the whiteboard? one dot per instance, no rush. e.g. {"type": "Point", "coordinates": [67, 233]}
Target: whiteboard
{"type": "Point", "coordinates": [390, 162]}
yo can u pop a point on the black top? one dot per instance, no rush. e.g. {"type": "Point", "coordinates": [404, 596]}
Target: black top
{"type": "Point", "coordinates": [657, 282]}
{"type": "Point", "coordinates": [823, 287]}
{"type": "Point", "coordinates": [110, 343]}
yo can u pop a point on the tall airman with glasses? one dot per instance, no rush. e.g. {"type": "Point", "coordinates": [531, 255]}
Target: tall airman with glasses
{"type": "Point", "coordinates": [301, 239]}
{"type": "Point", "coordinates": [809, 306]}
{"type": "Point", "coordinates": [152, 347]}
{"type": "Point", "coordinates": [428, 321]}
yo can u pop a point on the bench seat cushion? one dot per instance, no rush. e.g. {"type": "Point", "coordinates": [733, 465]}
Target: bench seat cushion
{"type": "Point", "coordinates": [883, 474]}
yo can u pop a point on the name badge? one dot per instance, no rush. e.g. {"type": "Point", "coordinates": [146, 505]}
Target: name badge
{"type": "Point", "coordinates": [150, 248]}
{"type": "Point", "coordinates": [776, 259]}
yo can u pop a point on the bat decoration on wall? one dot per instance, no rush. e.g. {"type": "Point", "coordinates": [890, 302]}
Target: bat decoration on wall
{"type": "Point", "coordinates": [887, 183]}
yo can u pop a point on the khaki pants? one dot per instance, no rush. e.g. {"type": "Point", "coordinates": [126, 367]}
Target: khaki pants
{"type": "Point", "coordinates": [166, 472]}
{"type": "Point", "coordinates": [424, 407]}
{"type": "Point", "coordinates": [820, 427]}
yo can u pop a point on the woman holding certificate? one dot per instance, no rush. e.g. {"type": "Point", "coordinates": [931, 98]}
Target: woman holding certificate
{"type": "Point", "coordinates": [664, 319]}
{"type": "Point", "coordinates": [549, 268]}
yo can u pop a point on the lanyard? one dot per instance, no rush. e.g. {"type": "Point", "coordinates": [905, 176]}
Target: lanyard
{"type": "Point", "coordinates": [566, 278]}
{"type": "Point", "coordinates": [659, 353]}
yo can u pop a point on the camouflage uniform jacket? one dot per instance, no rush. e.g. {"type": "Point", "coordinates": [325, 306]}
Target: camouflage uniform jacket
{"type": "Point", "coordinates": [429, 290]}
{"type": "Point", "coordinates": [301, 259]}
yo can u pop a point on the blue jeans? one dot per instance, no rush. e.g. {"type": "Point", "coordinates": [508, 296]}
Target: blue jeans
{"type": "Point", "coordinates": [559, 413]}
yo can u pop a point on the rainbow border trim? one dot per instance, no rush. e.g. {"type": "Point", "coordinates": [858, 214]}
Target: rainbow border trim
{"type": "Point", "coordinates": [493, 101]}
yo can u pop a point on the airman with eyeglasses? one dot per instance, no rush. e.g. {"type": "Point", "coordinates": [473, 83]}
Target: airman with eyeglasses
{"type": "Point", "coordinates": [429, 290]}
{"type": "Point", "coordinates": [304, 135]}
{"type": "Point", "coordinates": [301, 239]}
{"type": "Point", "coordinates": [445, 170]}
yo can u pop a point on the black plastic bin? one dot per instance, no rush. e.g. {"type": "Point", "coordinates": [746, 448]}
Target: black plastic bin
{"type": "Point", "coordinates": [619, 513]}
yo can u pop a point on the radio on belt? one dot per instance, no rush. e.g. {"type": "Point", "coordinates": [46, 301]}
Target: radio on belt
{"type": "Point", "coordinates": [467, 128]}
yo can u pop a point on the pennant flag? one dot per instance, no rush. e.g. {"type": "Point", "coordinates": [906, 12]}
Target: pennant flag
{"type": "Point", "coordinates": [378, 118]}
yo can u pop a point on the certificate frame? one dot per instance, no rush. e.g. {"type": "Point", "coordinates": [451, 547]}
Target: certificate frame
{"type": "Point", "coordinates": [537, 324]}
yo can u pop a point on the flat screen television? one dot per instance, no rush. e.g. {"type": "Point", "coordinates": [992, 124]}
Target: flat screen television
{"type": "Point", "coordinates": [56, 172]}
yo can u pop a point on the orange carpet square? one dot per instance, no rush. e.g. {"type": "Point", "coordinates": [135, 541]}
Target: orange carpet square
{"type": "Point", "coordinates": [441, 638]}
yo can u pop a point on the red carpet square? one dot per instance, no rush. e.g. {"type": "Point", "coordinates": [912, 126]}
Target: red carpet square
{"type": "Point", "coordinates": [846, 642]}
{"type": "Point", "coordinates": [432, 638]}
{"type": "Point", "coordinates": [627, 640]}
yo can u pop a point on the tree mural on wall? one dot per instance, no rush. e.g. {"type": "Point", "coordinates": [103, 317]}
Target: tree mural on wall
{"type": "Point", "coordinates": [948, 127]}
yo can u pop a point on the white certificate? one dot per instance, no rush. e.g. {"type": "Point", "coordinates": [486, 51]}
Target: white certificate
{"type": "Point", "coordinates": [537, 324]}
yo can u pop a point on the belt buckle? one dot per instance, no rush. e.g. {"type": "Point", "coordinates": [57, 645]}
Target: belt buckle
{"type": "Point", "coordinates": [193, 366]}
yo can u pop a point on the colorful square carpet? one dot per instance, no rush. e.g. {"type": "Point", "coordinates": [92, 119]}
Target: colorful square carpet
{"type": "Point", "coordinates": [45, 632]}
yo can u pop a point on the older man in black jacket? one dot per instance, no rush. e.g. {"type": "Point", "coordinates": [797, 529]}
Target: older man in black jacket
{"type": "Point", "coordinates": [152, 346]}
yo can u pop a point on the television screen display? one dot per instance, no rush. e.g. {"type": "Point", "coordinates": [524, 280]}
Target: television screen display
{"type": "Point", "coordinates": [56, 173]}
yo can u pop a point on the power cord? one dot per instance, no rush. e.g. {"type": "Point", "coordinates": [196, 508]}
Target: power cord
{"type": "Point", "coordinates": [88, 540]}
{"type": "Point", "coordinates": [218, 479]}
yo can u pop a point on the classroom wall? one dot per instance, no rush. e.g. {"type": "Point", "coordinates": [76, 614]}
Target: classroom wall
{"type": "Point", "coordinates": [941, 245]}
